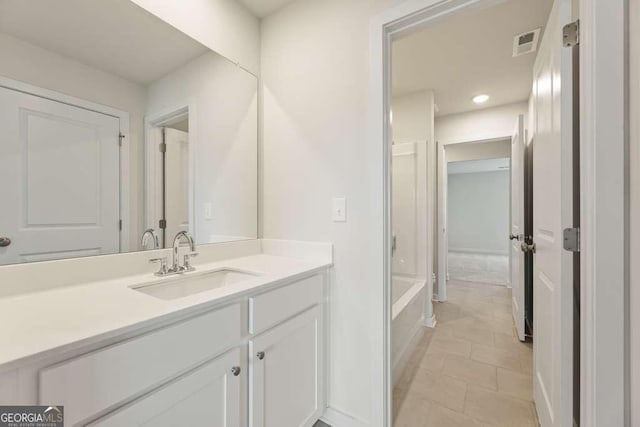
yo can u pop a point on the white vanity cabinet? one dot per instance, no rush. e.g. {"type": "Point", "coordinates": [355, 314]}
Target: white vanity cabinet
{"type": "Point", "coordinates": [256, 359]}
{"type": "Point", "coordinates": [209, 395]}
{"type": "Point", "coordinates": [286, 373]}
{"type": "Point", "coordinates": [103, 379]}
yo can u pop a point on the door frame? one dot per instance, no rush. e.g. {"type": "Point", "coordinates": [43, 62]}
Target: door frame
{"type": "Point", "coordinates": [442, 188]}
{"type": "Point", "coordinates": [604, 212]}
{"type": "Point", "coordinates": [604, 183]}
{"type": "Point", "coordinates": [152, 158]}
{"type": "Point", "coordinates": [125, 146]}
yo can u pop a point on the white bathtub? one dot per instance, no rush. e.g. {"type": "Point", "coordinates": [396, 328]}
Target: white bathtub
{"type": "Point", "coordinates": [408, 296]}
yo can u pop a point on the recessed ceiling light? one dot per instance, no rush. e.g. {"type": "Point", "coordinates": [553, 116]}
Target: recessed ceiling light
{"type": "Point", "coordinates": [480, 99]}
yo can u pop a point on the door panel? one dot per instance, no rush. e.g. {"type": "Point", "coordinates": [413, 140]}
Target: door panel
{"type": "Point", "coordinates": [177, 181]}
{"type": "Point", "coordinates": [210, 396]}
{"type": "Point", "coordinates": [552, 190]}
{"type": "Point", "coordinates": [286, 384]}
{"type": "Point", "coordinates": [60, 174]}
{"type": "Point", "coordinates": [517, 227]}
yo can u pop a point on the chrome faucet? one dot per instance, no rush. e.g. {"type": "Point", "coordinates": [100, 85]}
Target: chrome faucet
{"type": "Point", "coordinates": [186, 266]}
{"type": "Point", "coordinates": [149, 232]}
{"type": "Point", "coordinates": [176, 268]}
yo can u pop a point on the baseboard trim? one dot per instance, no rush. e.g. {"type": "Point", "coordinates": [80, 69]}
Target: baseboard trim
{"type": "Point", "coordinates": [474, 251]}
{"type": "Point", "coordinates": [337, 418]}
{"type": "Point", "coordinates": [430, 322]}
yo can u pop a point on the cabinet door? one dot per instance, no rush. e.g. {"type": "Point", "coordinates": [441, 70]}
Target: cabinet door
{"type": "Point", "coordinates": [207, 396]}
{"type": "Point", "coordinates": [286, 373]}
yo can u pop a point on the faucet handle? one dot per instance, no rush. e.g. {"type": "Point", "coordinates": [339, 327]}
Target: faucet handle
{"type": "Point", "coordinates": [163, 265]}
{"type": "Point", "coordinates": [187, 264]}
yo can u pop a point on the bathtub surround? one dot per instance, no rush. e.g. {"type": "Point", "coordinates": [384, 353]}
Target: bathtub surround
{"type": "Point", "coordinates": [412, 181]}
{"type": "Point", "coordinates": [413, 116]}
{"type": "Point", "coordinates": [408, 296]}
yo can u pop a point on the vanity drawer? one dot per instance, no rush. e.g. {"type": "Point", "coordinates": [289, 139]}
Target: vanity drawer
{"type": "Point", "coordinates": [271, 308]}
{"type": "Point", "coordinates": [96, 381]}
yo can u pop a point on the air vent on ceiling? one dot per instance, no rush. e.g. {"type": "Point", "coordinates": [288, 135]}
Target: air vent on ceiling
{"type": "Point", "coordinates": [526, 42]}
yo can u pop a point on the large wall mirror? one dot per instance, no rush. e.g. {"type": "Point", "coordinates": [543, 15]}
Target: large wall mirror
{"type": "Point", "coordinates": [117, 132]}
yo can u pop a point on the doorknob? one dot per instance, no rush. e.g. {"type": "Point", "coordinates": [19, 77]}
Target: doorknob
{"type": "Point", "coordinates": [260, 355]}
{"type": "Point", "coordinates": [526, 247]}
{"type": "Point", "coordinates": [236, 371]}
{"type": "Point", "coordinates": [4, 242]}
{"type": "Point", "coordinates": [513, 237]}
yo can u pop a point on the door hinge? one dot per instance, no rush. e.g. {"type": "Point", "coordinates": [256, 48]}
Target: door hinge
{"type": "Point", "coordinates": [571, 34]}
{"type": "Point", "coordinates": [162, 147]}
{"type": "Point", "coordinates": [162, 224]}
{"type": "Point", "coordinates": [571, 239]}
{"type": "Point", "coordinates": [120, 225]}
{"type": "Point", "coordinates": [120, 138]}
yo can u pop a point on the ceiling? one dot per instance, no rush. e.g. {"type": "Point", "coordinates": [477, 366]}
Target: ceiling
{"type": "Point", "coordinates": [470, 54]}
{"type": "Point", "coordinates": [475, 166]}
{"type": "Point", "coordinates": [115, 36]}
{"type": "Point", "coordinates": [262, 8]}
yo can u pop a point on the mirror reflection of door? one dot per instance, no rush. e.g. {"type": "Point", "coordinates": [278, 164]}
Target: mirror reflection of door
{"type": "Point", "coordinates": [176, 178]}
{"type": "Point", "coordinates": [82, 108]}
{"type": "Point", "coordinates": [59, 180]}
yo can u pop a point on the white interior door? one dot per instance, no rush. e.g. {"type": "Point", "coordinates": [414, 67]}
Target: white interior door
{"type": "Point", "coordinates": [59, 179]}
{"type": "Point", "coordinates": [552, 204]}
{"type": "Point", "coordinates": [404, 207]}
{"type": "Point", "coordinates": [177, 182]}
{"type": "Point", "coordinates": [517, 226]}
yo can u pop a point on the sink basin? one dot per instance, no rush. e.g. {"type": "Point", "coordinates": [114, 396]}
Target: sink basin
{"type": "Point", "coordinates": [194, 283]}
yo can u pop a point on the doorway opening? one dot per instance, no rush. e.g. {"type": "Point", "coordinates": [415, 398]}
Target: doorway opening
{"type": "Point", "coordinates": [477, 207]}
{"type": "Point", "coordinates": [479, 76]}
{"type": "Point", "coordinates": [168, 179]}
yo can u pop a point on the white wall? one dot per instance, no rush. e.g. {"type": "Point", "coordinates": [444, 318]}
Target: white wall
{"type": "Point", "coordinates": [478, 212]}
{"type": "Point", "coordinates": [224, 26]}
{"type": "Point", "coordinates": [315, 71]}
{"type": "Point", "coordinates": [413, 121]}
{"type": "Point", "coordinates": [478, 151]}
{"type": "Point", "coordinates": [223, 135]}
{"type": "Point", "coordinates": [40, 67]}
{"type": "Point", "coordinates": [478, 125]}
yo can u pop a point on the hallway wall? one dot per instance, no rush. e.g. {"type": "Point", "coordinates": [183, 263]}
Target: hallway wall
{"type": "Point", "coordinates": [478, 223]}
{"type": "Point", "coordinates": [476, 125]}
{"type": "Point", "coordinates": [478, 212]}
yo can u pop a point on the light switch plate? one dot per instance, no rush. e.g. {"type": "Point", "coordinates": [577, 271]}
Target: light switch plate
{"type": "Point", "coordinates": [339, 209]}
{"type": "Point", "coordinates": [208, 211]}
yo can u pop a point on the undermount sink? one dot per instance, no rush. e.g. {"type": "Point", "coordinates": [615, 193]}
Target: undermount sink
{"type": "Point", "coordinates": [194, 283]}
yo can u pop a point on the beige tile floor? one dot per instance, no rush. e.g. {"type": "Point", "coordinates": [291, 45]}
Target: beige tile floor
{"type": "Point", "coordinates": [470, 370]}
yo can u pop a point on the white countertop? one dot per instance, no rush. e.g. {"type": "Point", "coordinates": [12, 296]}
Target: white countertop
{"type": "Point", "coordinates": [71, 317]}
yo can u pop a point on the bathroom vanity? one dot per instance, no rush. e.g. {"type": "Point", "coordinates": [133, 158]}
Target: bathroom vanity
{"type": "Point", "coordinates": [125, 142]}
{"type": "Point", "coordinates": [245, 350]}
